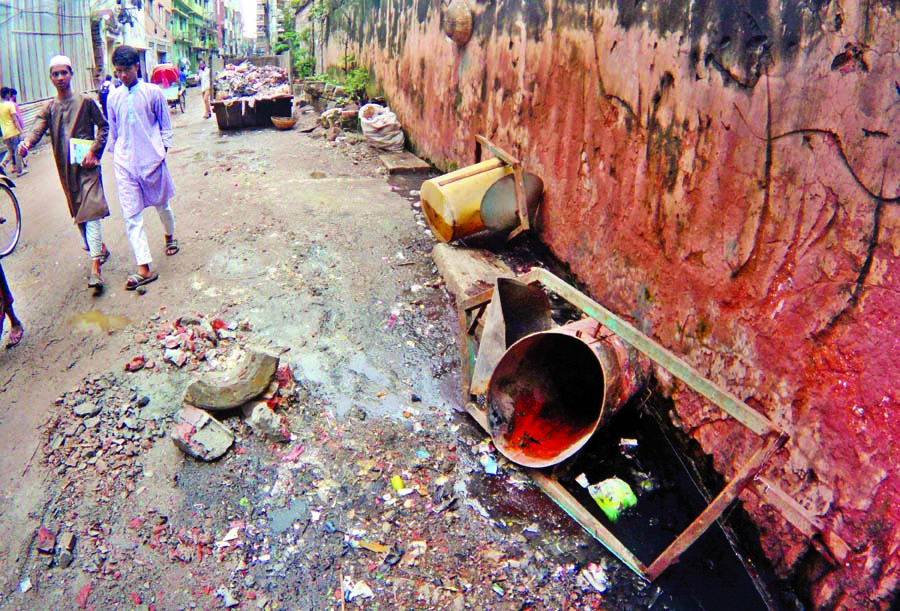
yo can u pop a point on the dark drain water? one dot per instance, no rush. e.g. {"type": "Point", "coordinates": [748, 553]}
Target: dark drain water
{"type": "Point", "coordinates": [709, 576]}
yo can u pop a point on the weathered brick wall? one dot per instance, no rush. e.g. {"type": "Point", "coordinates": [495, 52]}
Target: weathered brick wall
{"type": "Point", "coordinates": [726, 175]}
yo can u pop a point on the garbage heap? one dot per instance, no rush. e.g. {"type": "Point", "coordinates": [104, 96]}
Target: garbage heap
{"type": "Point", "coordinates": [248, 81]}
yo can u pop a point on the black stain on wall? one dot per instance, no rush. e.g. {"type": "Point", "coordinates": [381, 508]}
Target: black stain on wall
{"type": "Point", "coordinates": [422, 7]}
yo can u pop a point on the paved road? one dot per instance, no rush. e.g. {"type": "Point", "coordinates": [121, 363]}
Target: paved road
{"type": "Point", "coordinates": [309, 244]}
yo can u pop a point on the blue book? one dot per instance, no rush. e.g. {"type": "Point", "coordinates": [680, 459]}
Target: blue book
{"type": "Point", "coordinates": [78, 148]}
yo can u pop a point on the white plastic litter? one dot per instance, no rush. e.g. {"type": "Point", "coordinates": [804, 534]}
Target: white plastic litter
{"type": "Point", "coordinates": [381, 127]}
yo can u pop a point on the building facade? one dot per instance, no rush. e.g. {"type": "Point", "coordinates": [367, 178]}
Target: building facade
{"type": "Point", "coordinates": [193, 31]}
{"type": "Point", "coordinates": [158, 15]}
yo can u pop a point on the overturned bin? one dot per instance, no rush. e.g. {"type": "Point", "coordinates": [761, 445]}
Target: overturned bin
{"type": "Point", "coordinates": [552, 389]}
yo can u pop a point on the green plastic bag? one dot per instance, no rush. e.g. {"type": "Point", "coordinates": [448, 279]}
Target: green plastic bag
{"type": "Point", "coordinates": [613, 496]}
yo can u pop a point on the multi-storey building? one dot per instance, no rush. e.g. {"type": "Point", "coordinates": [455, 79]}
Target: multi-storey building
{"type": "Point", "coordinates": [193, 30]}
{"type": "Point", "coordinates": [120, 22]}
{"type": "Point", "coordinates": [158, 15]}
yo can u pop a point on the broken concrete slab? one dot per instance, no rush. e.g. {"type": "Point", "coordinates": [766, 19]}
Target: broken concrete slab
{"type": "Point", "coordinates": [46, 541]}
{"type": "Point", "coordinates": [206, 330]}
{"type": "Point", "coordinates": [64, 548]}
{"type": "Point", "coordinates": [86, 409]}
{"type": "Point", "coordinates": [248, 379]}
{"type": "Point", "coordinates": [198, 434]}
{"type": "Point", "coordinates": [403, 162]}
{"type": "Point", "coordinates": [176, 357]}
{"type": "Point", "coordinates": [468, 271]}
{"type": "Point", "coordinates": [263, 419]}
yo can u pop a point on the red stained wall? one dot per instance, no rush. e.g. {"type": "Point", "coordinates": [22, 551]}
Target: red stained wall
{"type": "Point", "coordinates": [729, 181]}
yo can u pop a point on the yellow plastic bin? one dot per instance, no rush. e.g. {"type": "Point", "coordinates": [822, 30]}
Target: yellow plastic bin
{"type": "Point", "coordinates": [452, 202]}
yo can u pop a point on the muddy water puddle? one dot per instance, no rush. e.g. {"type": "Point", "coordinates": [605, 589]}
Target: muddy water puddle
{"type": "Point", "coordinates": [96, 321]}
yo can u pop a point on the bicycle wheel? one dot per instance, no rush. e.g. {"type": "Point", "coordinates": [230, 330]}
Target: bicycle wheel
{"type": "Point", "coordinates": [10, 221]}
{"type": "Point", "coordinates": [181, 102]}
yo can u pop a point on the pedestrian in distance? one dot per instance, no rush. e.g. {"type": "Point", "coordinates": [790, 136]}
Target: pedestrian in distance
{"type": "Point", "coordinates": [12, 96]}
{"type": "Point", "coordinates": [204, 88]}
{"type": "Point", "coordinates": [12, 129]}
{"type": "Point", "coordinates": [140, 137]}
{"type": "Point", "coordinates": [103, 92]}
{"type": "Point", "coordinates": [16, 329]}
{"type": "Point", "coordinates": [78, 133]}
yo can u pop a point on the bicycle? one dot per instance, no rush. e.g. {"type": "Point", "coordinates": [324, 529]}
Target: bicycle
{"type": "Point", "coordinates": [10, 216]}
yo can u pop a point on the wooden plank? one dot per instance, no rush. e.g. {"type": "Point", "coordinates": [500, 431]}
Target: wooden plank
{"type": "Point", "coordinates": [404, 162]}
{"type": "Point", "coordinates": [469, 272]}
{"type": "Point", "coordinates": [497, 151]}
{"type": "Point", "coordinates": [715, 509]}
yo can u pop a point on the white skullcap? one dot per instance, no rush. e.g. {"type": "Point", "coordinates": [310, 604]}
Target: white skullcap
{"type": "Point", "coordinates": [61, 60]}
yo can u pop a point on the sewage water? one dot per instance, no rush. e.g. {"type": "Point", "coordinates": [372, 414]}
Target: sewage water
{"type": "Point", "coordinates": [709, 576]}
{"type": "Point", "coordinates": [96, 321]}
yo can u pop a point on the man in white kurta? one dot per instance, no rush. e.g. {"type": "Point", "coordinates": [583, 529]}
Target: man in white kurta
{"type": "Point", "coordinates": [140, 134]}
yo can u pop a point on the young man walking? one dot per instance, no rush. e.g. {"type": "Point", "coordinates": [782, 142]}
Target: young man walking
{"type": "Point", "coordinates": [205, 88]}
{"type": "Point", "coordinates": [12, 128]}
{"type": "Point", "coordinates": [140, 137]}
{"type": "Point", "coordinates": [73, 116]}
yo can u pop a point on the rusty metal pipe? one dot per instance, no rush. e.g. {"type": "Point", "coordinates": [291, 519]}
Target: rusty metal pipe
{"type": "Point", "coordinates": [552, 389]}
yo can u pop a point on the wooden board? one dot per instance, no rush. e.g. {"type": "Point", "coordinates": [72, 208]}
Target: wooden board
{"type": "Point", "coordinates": [397, 163]}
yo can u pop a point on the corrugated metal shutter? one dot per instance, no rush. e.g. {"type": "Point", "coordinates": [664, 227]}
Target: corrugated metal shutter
{"type": "Point", "coordinates": [33, 31]}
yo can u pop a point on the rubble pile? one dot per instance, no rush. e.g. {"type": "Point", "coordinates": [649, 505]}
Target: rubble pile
{"type": "Point", "coordinates": [248, 81]}
{"type": "Point", "coordinates": [302, 509]}
{"type": "Point", "coordinates": [98, 429]}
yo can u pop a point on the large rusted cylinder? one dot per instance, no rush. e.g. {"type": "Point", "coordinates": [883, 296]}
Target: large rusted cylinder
{"type": "Point", "coordinates": [551, 390]}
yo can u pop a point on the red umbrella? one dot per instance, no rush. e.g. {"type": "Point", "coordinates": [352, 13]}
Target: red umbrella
{"type": "Point", "coordinates": [164, 75]}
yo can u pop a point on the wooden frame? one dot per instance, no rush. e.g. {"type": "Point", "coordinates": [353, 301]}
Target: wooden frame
{"type": "Point", "coordinates": [747, 477]}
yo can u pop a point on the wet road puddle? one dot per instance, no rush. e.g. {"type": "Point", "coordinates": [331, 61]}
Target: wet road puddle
{"type": "Point", "coordinates": [96, 321]}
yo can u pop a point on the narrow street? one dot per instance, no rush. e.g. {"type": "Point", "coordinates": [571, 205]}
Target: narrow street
{"type": "Point", "coordinates": [302, 248]}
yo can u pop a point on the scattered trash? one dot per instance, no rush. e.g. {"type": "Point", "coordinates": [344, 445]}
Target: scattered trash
{"type": "Point", "coordinates": [628, 444]}
{"type": "Point", "coordinates": [245, 80]}
{"type": "Point", "coordinates": [613, 496]}
{"type": "Point", "coordinates": [25, 585]}
{"type": "Point", "coordinates": [378, 548]}
{"type": "Point", "coordinates": [360, 589]}
{"type": "Point", "coordinates": [228, 600]}
{"type": "Point", "coordinates": [83, 594]}
{"type": "Point", "coordinates": [397, 483]}
{"type": "Point", "coordinates": [489, 463]}
{"type": "Point", "coordinates": [595, 577]}
{"type": "Point", "coordinates": [293, 454]}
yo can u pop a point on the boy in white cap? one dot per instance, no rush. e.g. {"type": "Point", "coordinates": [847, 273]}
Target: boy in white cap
{"type": "Point", "coordinates": [67, 116]}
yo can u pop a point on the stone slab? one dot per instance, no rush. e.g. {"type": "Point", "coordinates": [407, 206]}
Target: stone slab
{"type": "Point", "coordinates": [405, 162]}
{"type": "Point", "coordinates": [228, 389]}
{"type": "Point", "coordinates": [468, 271]}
